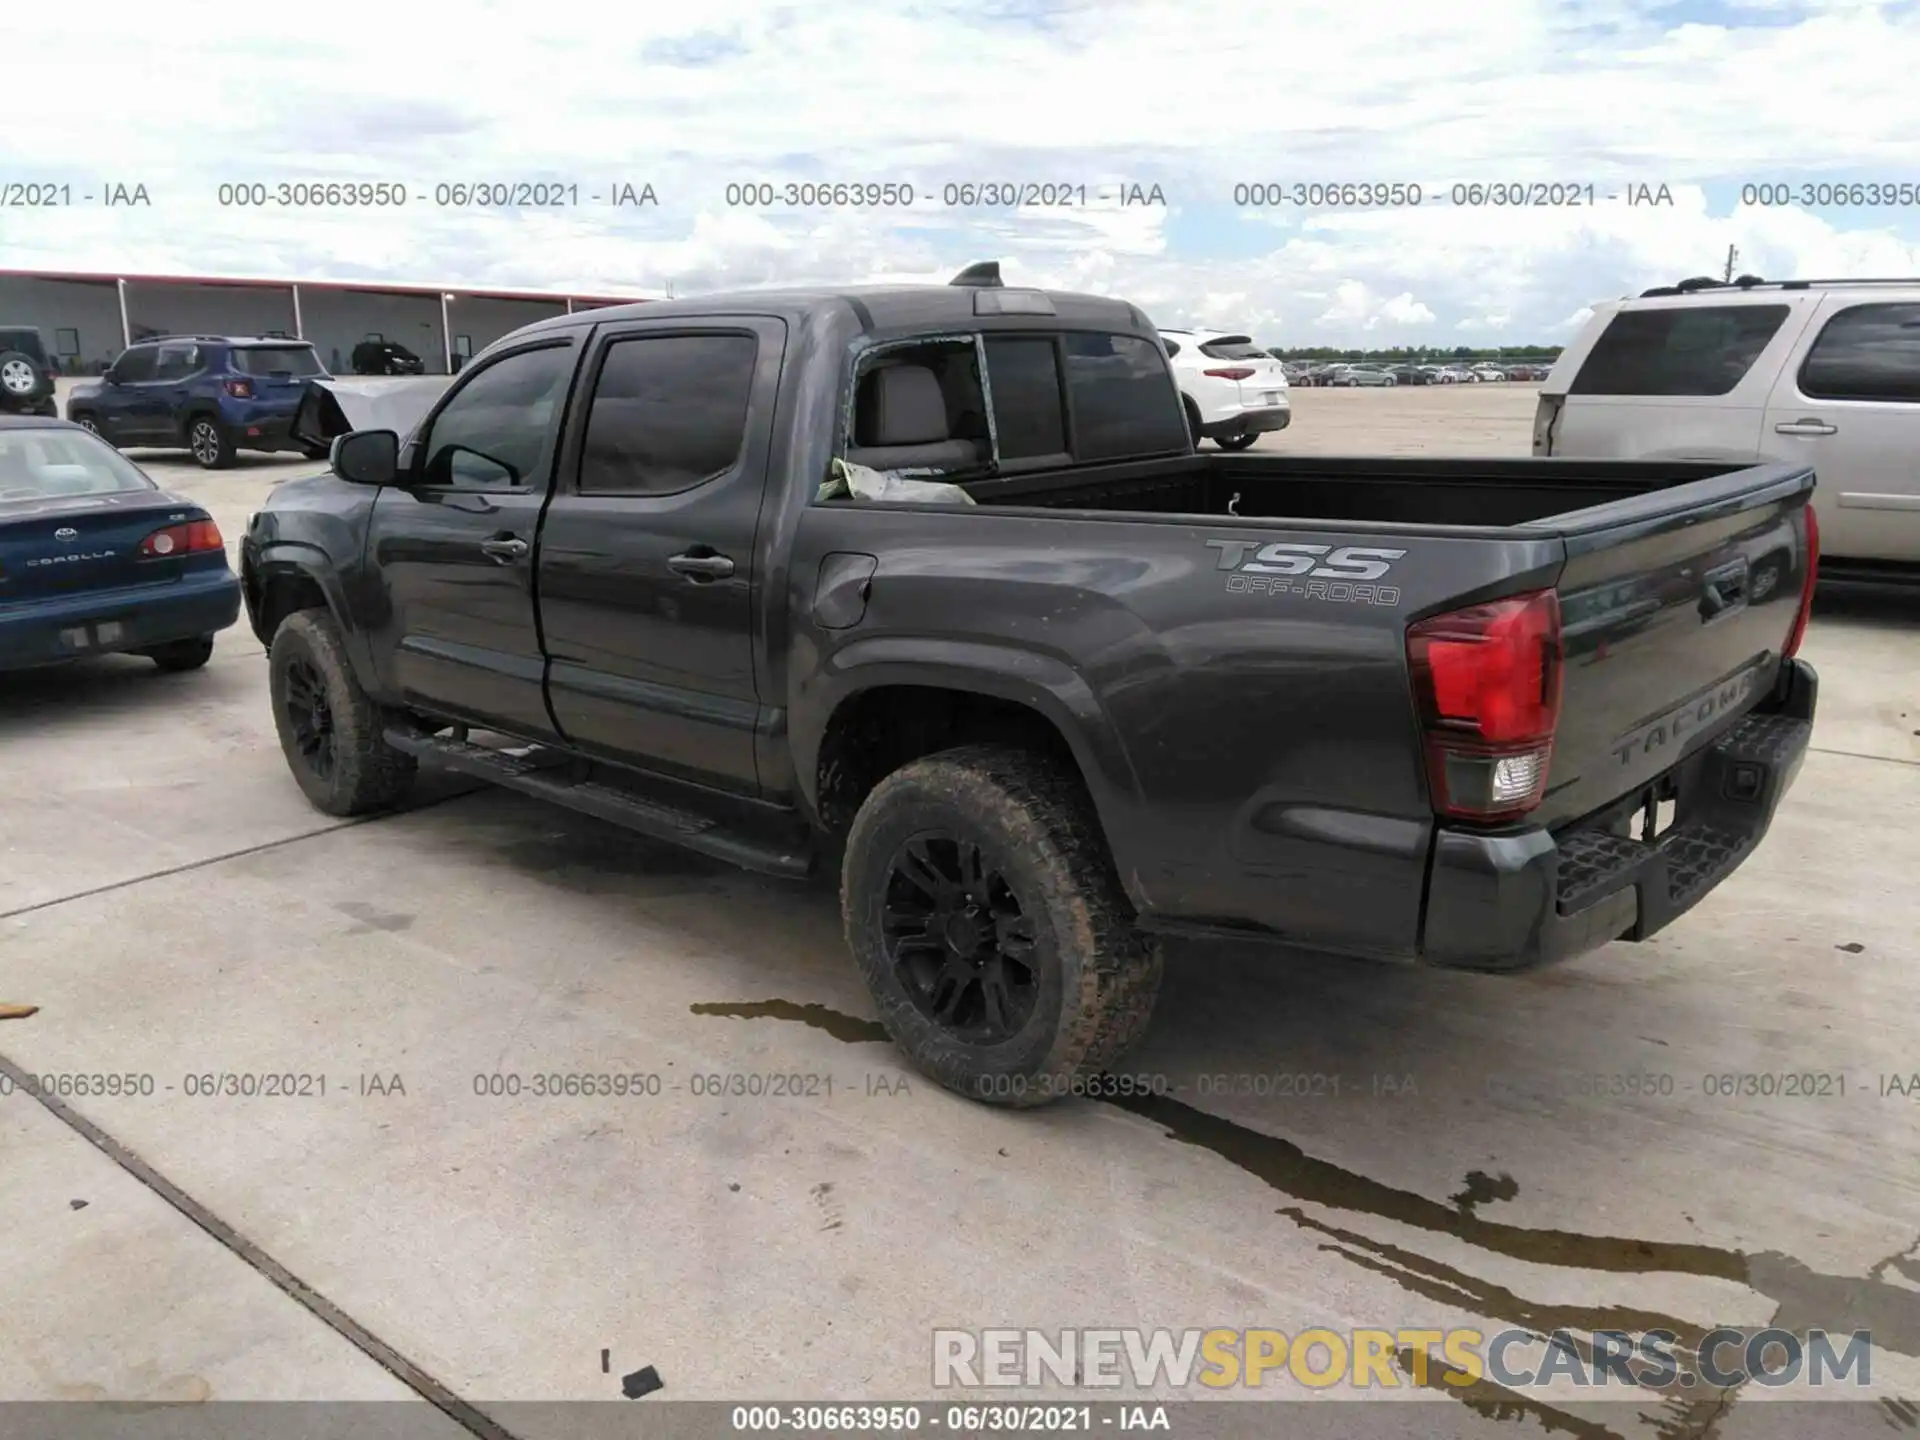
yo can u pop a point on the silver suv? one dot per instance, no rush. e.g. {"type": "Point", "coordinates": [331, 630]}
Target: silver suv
{"type": "Point", "coordinates": [1821, 372]}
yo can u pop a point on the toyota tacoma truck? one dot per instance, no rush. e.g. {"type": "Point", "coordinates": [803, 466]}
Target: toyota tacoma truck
{"type": "Point", "coordinates": [1054, 686]}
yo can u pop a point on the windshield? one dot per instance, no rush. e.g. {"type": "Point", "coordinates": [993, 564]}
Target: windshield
{"type": "Point", "coordinates": [45, 464]}
{"type": "Point", "coordinates": [296, 360]}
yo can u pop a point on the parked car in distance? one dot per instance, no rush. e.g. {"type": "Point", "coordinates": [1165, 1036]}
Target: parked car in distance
{"type": "Point", "coordinates": [1359, 375]}
{"type": "Point", "coordinates": [386, 357]}
{"type": "Point", "coordinates": [1824, 373]}
{"type": "Point", "coordinates": [97, 559]}
{"type": "Point", "coordinates": [1489, 373]}
{"type": "Point", "coordinates": [1233, 392]}
{"type": "Point", "coordinates": [26, 373]}
{"type": "Point", "coordinates": [1129, 690]}
{"type": "Point", "coordinates": [1412, 375]}
{"type": "Point", "coordinates": [210, 395]}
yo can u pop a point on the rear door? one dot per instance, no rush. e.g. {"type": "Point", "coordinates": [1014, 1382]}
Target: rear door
{"type": "Point", "coordinates": [1677, 379]}
{"type": "Point", "coordinates": [1674, 617]}
{"type": "Point", "coordinates": [453, 543]}
{"type": "Point", "coordinates": [647, 554]}
{"type": "Point", "coordinates": [1848, 404]}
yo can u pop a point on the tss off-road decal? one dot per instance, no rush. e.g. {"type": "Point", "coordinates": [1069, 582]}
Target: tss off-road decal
{"type": "Point", "coordinates": [1346, 575]}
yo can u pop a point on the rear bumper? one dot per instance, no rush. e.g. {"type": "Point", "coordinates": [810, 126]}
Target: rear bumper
{"type": "Point", "coordinates": [1514, 901]}
{"type": "Point", "coordinates": [1249, 422]}
{"type": "Point", "coordinates": [36, 632]}
{"type": "Point", "coordinates": [262, 430]}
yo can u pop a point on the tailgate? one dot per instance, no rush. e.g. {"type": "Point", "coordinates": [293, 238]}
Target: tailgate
{"type": "Point", "coordinates": [1675, 609]}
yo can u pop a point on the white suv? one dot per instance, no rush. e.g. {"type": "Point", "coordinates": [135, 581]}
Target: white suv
{"type": "Point", "coordinates": [1818, 372]}
{"type": "Point", "coordinates": [1235, 392]}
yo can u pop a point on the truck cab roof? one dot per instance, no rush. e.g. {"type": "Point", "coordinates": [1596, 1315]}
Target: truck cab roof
{"type": "Point", "coordinates": [877, 309]}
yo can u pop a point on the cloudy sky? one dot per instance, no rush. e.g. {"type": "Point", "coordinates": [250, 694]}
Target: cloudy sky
{"type": "Point", "coordinates": [1175, 105]}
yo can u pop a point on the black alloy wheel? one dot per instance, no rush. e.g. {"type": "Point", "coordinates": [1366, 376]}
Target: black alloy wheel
{"type": "Point", "coordinates": [960, 941]}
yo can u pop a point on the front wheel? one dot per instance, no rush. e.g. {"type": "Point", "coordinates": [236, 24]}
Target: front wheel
{"type": "Point", "coordinates": [1237, 442]}
{"type": "Point", "coordinates": [332, 733]}
{"type": "Point", "coordinates": [983, 907]}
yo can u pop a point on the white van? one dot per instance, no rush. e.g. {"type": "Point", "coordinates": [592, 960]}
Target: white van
{"type": "Point", "coordinates": [1825, 372]}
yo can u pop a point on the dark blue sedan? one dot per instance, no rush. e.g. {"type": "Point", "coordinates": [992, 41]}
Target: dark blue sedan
{"type": "Point", "coordinates": [97, 559]}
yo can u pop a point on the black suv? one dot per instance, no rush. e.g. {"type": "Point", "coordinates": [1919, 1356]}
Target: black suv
{"type": "Point", "coordinates": [384, 357]}
{"type": "Point", "coordinates": [26, 375]}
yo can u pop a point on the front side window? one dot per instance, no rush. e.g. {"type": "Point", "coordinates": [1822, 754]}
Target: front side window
{"type": "Point", "coordinates": [497, 431]}
{"type": "Point", "coordinates": [669, 413]}
{"type": "Point", "coordinates": [135, 365]}
{"type": "Point", "coordinates": [1866, 352]}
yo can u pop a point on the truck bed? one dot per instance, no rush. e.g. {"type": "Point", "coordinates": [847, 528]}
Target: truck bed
{"type": "Point", "coordinates": [1471, 493]}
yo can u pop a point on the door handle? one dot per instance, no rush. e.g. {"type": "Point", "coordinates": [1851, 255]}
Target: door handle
{"type": "Point", "coordinates": [1804, 427]}
{"type": "Point", "coordinates": [698, 568]}
{"type": "Point", "coordinates": [505, 548]}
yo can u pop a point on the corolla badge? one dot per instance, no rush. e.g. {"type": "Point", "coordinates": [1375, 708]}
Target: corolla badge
{"type": "Point", "coordinates": [66, 532]}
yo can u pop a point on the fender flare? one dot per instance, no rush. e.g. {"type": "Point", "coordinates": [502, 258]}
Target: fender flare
{"type": "Point", "coordinates": [299, 559]}
{"type": "Point", "coordinates": [1043, 683]}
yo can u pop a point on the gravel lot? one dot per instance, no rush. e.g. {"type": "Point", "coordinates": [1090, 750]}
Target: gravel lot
{"type": "Point", "coordinates": [174, 907]}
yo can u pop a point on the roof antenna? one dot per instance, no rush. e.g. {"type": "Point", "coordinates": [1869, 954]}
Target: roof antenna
{"type": "Point", "coordinates": [985, 276]}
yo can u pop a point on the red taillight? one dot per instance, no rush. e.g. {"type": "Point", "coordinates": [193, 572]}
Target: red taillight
{"type": "Point", "coordinates": [192, 538]}
{"type": "Point", "coordinates": [240, 389]}
{"type": "Point", "coordinates": [1799, 631]}
{"type": "Point", "coordinates": [1488, 680]}
{"type": "Point", "coordinates": [1231, 372]}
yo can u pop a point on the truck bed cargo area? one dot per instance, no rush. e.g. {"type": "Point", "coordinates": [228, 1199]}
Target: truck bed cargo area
{"type": "Point", "coordinates": [1477, 493]}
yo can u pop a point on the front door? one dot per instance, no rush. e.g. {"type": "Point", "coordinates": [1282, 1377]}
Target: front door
{"type": "Point", "coordinates": [126, 405]}
{"type": "Point", "coordinates": [1851, 410]}
{"type": "Point", "coordinates": [647, 559]}
{"type": "Point", "coordinates": [453, 543]}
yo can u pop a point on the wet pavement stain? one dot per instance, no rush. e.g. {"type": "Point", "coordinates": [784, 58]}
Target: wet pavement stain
{"type": "Point", "coordinates": [1484, 1189]}
{"type": "Point", "coordinates": [1496, 1402]}
{"type": "Point", "coordinates": [837, 1023]}
{"type": "Point", "coordinates": [1807, 1299]}
{"type": "Point", "coordinates": [372, 920]}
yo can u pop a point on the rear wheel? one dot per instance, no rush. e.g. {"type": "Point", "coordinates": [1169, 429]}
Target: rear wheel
{"type": "Point", "coordinates": [88, 424]}
{"type": "Point", "coordinates": [333, 735]}
{"type": "Point", "coordinates": [984, 910]}
{"type": "Point", "coordinates": [1237, 442]}
{"type": "Point", "coordinates": [208, 441]}
{"type": "Point", "coordinates": [183, 654]}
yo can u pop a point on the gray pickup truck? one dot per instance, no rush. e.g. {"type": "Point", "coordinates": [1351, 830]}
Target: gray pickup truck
{"type": "Point", "coordinates": [1091, 690]}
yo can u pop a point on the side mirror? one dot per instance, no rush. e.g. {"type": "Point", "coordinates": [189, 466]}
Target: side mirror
{"type": "Point", "coordinates": [366, 457]}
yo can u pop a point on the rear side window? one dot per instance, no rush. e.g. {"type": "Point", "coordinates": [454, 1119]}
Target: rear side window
{"type": "Point", "coordinates": [1866, 352]}
{"type": "Point", "coordinates": [497, 429]}
{"type": "Point", "coordinates": [296, 360]}
{"type": "Point", "coordinates": [1678, 350]}
{"type": "Point", "coordinates": [1124, 399]}
{"type": "Point", "coordinates": [669, 412]}
{"type": "Point", "coordinates": [1028, 415]}
{"type": "Point", "coordinates": [1233, 347]}
{"type": "Point", "coordinates": [176, 362]}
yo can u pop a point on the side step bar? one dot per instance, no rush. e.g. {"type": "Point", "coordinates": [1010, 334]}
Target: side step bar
{"type": "Point", "coordinates": [552, 775]}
